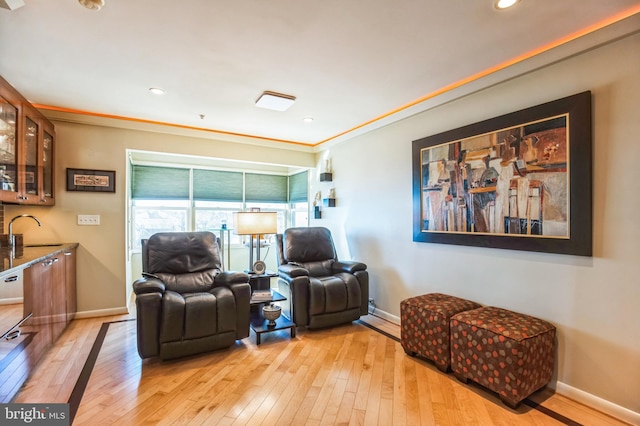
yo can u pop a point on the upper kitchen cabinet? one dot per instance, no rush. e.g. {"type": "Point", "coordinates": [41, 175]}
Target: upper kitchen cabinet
{"type": "Point", "coordinates": [26, 151]}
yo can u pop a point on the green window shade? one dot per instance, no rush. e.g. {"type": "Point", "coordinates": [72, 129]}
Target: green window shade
{"type": "Point", "coordinates": [216, 185]}
{"type": "Point", "coordinates": [298, 188]}
{"type": "Point", "coordinates": [159, 183]}
{"type": "Point", "coordinates": [265, 188]}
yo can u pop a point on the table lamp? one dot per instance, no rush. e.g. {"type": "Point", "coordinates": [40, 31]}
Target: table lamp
{"type": "Point", "coordinates": [255, 224]}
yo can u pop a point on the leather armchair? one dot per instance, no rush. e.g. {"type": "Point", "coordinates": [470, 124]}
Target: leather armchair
{"type": "Point", "coordinates": [185, 303]}
{"type": "Point", "coordinates": [321, 290]}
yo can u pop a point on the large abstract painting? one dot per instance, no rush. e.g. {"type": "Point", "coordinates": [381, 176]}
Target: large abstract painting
{"type": "Point", "coordinates": [519, 181]}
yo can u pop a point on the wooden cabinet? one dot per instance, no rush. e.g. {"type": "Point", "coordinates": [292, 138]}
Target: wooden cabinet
{"type": "Point", "coordinates": [26, 151]}
{"type": "Point", "coordinates": [49, 304]}
{"type": "Point", "coordinates": [50, 293]}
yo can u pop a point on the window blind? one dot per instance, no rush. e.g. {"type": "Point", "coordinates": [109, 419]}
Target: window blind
{"type": "Point", "coordinates": [216, 185]}
{"type": "Point", "coordinates": [298, 187]}
{"type": "Point", "coordinates": [159, 183]}
{"type": "Point", "coordinates": [265, 188]}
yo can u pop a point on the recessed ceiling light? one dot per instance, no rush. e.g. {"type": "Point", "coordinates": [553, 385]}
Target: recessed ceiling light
{"type": "Point", "coordinates": [308, 119]}
{"type": "Point", "coordinates": [156, 91]}
{"type": "Point", "coordinates": [92, 4]}
{"type": "Point", "coordinates": [275, 101]}
{"type": "Point", "coordinates": [503, 4]}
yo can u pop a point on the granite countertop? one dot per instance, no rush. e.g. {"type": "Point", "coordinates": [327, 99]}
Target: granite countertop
{"type": "Point", "coordinates": [24, 256]}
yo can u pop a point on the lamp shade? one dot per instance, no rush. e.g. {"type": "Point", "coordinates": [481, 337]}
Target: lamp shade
{"type": "Point", "coordinates": [252, 223]}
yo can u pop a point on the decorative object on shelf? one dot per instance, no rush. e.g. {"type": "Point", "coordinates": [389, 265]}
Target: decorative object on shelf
{"type": "Point", "coordinates": [254, 224]}
{"type": "Point", "coordinates": [261, 296]}
{"type": "Point", "coordinates": [91, 180]}
{"type": "Point", "coordinates": [506, 182]}
{"type": "Point", "coordinates": [271, 312]}
{"type": "Point", "coordinates": [259, 267]}
{"type": "Point", "coordinates": [327, 175]}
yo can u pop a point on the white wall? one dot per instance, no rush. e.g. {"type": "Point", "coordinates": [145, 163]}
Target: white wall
{"type": "Point", "coordinates": [594, 301]}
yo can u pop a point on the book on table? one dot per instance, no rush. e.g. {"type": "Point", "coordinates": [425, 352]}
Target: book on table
{"type": "Point", "coordinates": [261, 295]}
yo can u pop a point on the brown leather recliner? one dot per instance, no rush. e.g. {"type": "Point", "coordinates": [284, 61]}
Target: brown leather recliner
{"type": "Point", "coordinates": [321, 290]}
{"type": "Point", "coordinates": [186, 304]}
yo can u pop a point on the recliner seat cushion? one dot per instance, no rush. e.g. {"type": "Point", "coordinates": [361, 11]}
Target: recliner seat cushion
{"type": "Point", "coordinates": [333, 294]}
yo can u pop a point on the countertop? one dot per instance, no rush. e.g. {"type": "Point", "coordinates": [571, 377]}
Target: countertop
{"type": "Point", "coordinates": [24, 256]}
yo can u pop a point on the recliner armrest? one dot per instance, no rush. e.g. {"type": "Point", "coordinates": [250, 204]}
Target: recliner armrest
{"type": "Point", "coordinates": [231, 277]}
{"type": "Point", "coordinates": [292, 270]}
{"type": "Point", "coordinates": [350, 266]}
{"type": "Point", "coordinates": [148, 285]}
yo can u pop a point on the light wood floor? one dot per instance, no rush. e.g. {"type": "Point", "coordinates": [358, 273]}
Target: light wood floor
{"type": "Point", "coordinates": [349, 375]}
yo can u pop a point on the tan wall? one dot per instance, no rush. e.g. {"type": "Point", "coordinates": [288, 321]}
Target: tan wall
{"type": "Point", "coordinates": [594, 301]}
{"type": "Point", "coordinates": [102, 263]}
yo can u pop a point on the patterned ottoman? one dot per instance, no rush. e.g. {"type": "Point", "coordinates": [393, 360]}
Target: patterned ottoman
{"type": "Point", "coordinates": [424, 325]}
{"type": "Point", "coordinates": [507, 352]}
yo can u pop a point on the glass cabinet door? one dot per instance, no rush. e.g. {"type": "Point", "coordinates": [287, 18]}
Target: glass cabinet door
{"type": "Point", "coordinates": [31, 157]}
{"type": "Point", "coordinates": [47, 164]}
{"type": "Point", "coordinates": [8, 146]}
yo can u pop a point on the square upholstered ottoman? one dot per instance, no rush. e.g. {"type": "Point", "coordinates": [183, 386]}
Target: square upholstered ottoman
{"type": "Point", "coordinates": [424, 325]}
{"type": "Point", "coordinates": [507, 352]}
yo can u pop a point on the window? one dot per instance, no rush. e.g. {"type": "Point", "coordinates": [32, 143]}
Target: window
{"type": "Point", "coordinates": [166, 199]}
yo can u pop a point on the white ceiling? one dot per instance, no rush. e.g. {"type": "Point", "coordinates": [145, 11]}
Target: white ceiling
{"type": "Point", "coordinates": [348, 62]}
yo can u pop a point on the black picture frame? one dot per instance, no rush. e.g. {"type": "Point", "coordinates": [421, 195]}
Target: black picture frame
{"type": "Point", "coordinates": [88, 180]}
{"type": "Point", "coordinates": [529, 146]}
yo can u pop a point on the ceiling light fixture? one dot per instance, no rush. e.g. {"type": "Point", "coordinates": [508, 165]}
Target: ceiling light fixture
{"type": "Point", "coordinates": [92, 4]}
{"type": "Point", "coordinates": [156, 91]}
{"type": "Point", "coordinates": [11, 4]}
{"type": "Point", "coordinates": [275, 101]}
{"type": "Point", "coordinates": [503, 4]}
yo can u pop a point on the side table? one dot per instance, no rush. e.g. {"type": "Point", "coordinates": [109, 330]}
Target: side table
{"type": "Point", "coordinates": [261, 281]}
{"type": "Point", "coordinates": [260, 325]}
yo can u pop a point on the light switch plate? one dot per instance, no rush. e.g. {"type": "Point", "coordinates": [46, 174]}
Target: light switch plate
{"type": "Point", "coordinates": [89, 219]}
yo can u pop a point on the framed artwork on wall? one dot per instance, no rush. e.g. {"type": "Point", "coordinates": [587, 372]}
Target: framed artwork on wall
{"type": "Point", "coordinates": [91, 180]}
{"type": "Point", "coordinates": [520, 181]}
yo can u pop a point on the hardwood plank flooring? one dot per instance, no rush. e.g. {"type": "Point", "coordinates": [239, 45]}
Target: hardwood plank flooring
{"type": "Point", "coordinates": [355, 374]}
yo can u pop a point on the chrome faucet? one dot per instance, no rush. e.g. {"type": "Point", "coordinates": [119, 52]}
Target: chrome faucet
{"type": "Point", "coordinates": [12, 238]}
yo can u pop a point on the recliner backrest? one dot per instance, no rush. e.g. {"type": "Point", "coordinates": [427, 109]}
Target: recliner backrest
{"type": "Point", "coordinates": [187, 262]}
{"type": "Point", "coordinates": [311, 248]}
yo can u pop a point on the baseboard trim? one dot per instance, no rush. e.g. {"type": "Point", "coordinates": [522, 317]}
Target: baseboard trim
{"type": "Point", "coordinates": [597, 403]}
{"type": "Point", "coordinates": [102, 313]}
{"type": "Point", "coordinates": [385, 316]}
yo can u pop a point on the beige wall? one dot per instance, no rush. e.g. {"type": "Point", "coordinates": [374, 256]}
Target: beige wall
{"type": "Point", "coordinates": [593, 301]}
{"type": "Point", "coordinates": [102, 262]}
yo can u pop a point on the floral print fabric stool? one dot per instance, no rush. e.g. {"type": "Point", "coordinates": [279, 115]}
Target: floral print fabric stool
{"type": "Point", "coordinates": [424, 325]}
{"type": "Point", "coordinates": [507, 352]}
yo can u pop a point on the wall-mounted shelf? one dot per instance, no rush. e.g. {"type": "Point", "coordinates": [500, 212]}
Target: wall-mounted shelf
{"type": "Point", "coordinates": [326, 177]}
{"type": "Point", "coordinates": [329, 202]}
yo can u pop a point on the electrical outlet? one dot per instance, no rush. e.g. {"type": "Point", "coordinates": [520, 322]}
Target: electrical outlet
{"type": "Point", "coordinates": [89, 219]}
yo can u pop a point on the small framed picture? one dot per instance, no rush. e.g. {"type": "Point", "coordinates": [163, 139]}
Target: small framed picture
{"type": "Point", "coordinates": [91, 180]}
